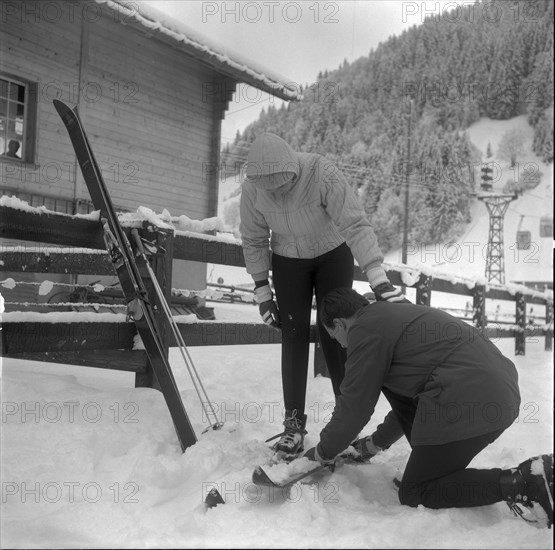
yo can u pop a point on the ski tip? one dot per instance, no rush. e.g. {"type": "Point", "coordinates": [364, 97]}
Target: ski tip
{"type": "Point", "coordinates": [63, 110]}
{"type": "Point", "coordinates": [256, 474]}
{"type": "Point", "coordinates": [260, 477]}
{"type": "Point", "coordinates": [59, 105]}
{"type": "Point", "coordinates": [213, 498]}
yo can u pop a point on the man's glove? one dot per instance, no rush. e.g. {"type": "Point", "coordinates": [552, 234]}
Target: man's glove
{"type": "Point", "coordinates": [269, 312]}
{"type": "Point", "coordinates": [312, 454]}
{"type": "Point", "coordinates": [365, 448]}
{"type": "Point", "coordinates": [388, 293]}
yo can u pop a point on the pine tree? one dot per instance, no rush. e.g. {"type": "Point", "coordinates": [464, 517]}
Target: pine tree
{"type": "Point", "coordinates": [446, 68]}
{"type": "Point", "coordinates": [511, 146]}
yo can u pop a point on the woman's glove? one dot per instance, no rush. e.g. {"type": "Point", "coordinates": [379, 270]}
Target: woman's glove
{"type": "Point", "coordinates": [268, 309]}
{"type": "Point", "coordinates": [388, 293]}
{"type": "Point", "coordinates": [383, 289]}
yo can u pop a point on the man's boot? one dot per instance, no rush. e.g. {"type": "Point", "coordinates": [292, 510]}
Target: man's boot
{"type": "Point", "coordinates": [530, 485]}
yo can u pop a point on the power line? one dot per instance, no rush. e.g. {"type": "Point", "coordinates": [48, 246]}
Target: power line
{"type": "Point", "coordinates": [526, 215]}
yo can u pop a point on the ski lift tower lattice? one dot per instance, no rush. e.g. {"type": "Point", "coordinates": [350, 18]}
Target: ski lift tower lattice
{"type": "Point", "coordinates": [497, 205]}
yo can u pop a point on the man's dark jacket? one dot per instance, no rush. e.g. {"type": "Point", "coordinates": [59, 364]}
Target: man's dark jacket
{"type": "Point", "coordinates": [460, 383]}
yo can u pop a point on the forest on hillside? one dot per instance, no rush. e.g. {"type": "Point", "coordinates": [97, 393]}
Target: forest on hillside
{"type": "Point", "coordinates": [490, 59]}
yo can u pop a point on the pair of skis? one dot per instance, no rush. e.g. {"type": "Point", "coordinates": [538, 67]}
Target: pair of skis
{"type": "Point", "coordinates": [134, 271]}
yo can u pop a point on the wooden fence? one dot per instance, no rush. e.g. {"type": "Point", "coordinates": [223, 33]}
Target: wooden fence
{"type": "Point", "coordinates": [109, 343]}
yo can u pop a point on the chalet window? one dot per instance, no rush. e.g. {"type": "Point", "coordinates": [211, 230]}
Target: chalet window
{"type": "Point", "coordinates": [18, 108]}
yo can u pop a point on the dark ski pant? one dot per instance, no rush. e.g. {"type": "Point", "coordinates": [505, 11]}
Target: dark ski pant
{"type": "Point", "coordinates": [437, 476]}
{"type": "Point", "coordinates": [295, 282]}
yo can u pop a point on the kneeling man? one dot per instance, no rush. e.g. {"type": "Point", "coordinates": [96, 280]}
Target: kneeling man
{"type": "Point", "coordinates": [452, 393]}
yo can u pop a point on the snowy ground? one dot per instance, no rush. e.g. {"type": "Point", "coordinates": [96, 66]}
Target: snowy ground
{"type": "Point", "coordinates": [89, 461]}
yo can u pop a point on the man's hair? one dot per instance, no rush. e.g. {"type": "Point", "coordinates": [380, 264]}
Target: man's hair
{"type": "Point", "coordinates": [341, 303]}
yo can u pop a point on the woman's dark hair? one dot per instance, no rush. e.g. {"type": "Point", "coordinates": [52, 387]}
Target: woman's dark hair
{"type": "Point", "coordinates": [340, 303]}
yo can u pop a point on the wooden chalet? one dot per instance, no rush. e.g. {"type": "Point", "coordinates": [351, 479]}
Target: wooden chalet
{"type": "Point", "coordinates": [151, 92]}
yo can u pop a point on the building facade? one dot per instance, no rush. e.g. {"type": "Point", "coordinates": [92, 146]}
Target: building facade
{"type": "Point", "coordinates": [150, 92]}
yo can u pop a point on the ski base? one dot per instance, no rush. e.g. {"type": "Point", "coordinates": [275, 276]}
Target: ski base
{"type": "Point", "coordinates": [282, 475]}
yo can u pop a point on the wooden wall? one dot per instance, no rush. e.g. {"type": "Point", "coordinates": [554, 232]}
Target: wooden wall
{"type": "Point", "coordinates": [155, 136]}
{"type": "Point", "coordinates": [40, 48]}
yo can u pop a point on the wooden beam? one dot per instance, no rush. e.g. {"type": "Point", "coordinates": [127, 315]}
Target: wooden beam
{"type": "Point", "coordinates": [549, 325]}
{"type": "Point", "coordinates": [124, 360]}
{"type": "Point", "coordinates": [208, 251]}
{"type": "Point", "coordinates": [423, 293]}
{"type": "Point", "coordinates": [51, 261]}
{"type": "Point", "coordinates": [30, 337]}
{"type": "Point", "coordinates": [479, 307]}
{"type": "Point", "coordinates": [224, 334]}
{"type": "Point", "coordinates": [35, 337]}
{"type": "Point", "coordinates": [520, 321]}
{"type": "Point", "coordinates": [50, 228]}
{"type": "Point", "coordinates": [161, 263]}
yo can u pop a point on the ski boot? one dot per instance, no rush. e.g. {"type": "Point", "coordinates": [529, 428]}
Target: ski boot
{"type": "Point", "coordinates": [530, 485]}
{"type": "Point", "coordinates": [291, 442]}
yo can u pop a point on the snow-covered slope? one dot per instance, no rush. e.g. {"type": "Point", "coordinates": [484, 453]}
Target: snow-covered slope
{"type": "Point", "coordinates": [468, 253]}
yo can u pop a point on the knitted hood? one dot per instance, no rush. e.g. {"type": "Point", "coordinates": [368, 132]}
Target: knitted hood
{"type": "Point", "coordinates": [269, 157]}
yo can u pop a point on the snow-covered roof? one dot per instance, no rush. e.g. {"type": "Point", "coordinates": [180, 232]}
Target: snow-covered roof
{"type": "Point", "coordinates": [162, 26]}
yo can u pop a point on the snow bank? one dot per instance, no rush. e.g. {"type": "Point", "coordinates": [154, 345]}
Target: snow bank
{"type": "Point", "coordinates": [91, 462]}
{"type": "Point", "coordinates": [18, 204]}
{"type": "Point", "coordinates": [179, 224]}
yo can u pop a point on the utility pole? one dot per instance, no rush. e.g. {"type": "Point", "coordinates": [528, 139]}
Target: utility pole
{"type": "Point", "coordinates": [406, 182]}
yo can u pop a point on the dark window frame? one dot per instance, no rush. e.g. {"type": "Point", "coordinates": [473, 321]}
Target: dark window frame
{"type": "Point", "coordinates": [28, 140]}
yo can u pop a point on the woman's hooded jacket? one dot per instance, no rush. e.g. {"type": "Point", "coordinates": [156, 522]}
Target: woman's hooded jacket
{"type": "Point", "coordinates": [318, 213]}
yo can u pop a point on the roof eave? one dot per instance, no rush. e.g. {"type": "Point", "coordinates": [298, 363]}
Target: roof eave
{"type": "Point", "coordinates": [226, 64]}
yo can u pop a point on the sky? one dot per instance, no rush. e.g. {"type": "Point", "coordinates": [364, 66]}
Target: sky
{"type": "Point", "coordinates": [296, 39]}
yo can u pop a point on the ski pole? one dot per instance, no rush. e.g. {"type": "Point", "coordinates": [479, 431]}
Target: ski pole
{"type": "Point", "coordinates": [187, 359]}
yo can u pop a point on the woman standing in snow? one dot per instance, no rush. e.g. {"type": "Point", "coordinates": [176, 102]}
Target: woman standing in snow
{"type": "Point", "coordinates": [299, 207]}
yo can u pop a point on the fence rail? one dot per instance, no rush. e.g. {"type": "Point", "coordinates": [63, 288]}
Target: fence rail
{"type": "Point", "coordinates": [74, 245]}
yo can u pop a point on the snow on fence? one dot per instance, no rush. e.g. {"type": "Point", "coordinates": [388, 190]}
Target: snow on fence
{"type": "Point", "coordinates": [75, 245]}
